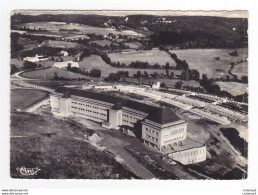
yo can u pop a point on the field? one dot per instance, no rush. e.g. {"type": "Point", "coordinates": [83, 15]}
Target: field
{"type": "Point", "coordinates": [55, 26]}
{"type": "Point", "coordinates": [240, 70]}
{"type": "Point", "coordinates": [95, 61]}
{"type": "Point", "coordinates": [58, 149]}
{"type": "Point", "coordinates": [133, 45]}
{"type": "Point", "coordinates": [233, 87]}
{"type": "Point", "coordinates": [22, 98]}
{"type": "Point", "coordinates": [27, 43]}
{"type": "Point", "coordinates": [102, 43]}
{"type": "Point", "coordinates": [60, 44]}
{"type": "Point", "coordinates": [150, 56]}
{"type": "Point", "coordinates": [48, 74]}
{"type": "Point", "coordinates": [204, 60]}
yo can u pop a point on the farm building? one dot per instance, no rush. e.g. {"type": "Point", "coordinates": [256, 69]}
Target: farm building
{"type": "Point", "coordinates": [65, 64]}
{"type": "Point", "coordinates": [64, 53]}
{"type": "Point", "coordinates": [37, 58]}
{"type": "Point", "coordinates": [160, 128]}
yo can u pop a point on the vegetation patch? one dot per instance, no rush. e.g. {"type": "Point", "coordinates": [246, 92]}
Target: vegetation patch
{"type": "Point", "coordinates": [151, 56]}
{"type": "Point", "coordinates": [233, 136]}
{"type": "Point", "coordinates": [57, 148]}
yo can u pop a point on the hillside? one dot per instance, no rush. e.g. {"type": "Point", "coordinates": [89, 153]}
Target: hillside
{"type": "Point", "coordinates": [186, 31]}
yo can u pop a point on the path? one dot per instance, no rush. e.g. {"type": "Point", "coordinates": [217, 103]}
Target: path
{"type": "Point", "coordinates": [116, 146]}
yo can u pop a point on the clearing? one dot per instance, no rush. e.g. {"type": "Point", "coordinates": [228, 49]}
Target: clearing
{"type": "Point", "coordinates": [233, 87]}
{"type": "Point", "coordinates": [151, 56]}
{"type": "Point", "coordinates": [54, 27]}
{"type": "Point", "coordinates": [204, 60]}
{"type": "Point", "coordinates": [95, 61]}
{"type": "Point", "coordinates": [48, 74]}
{"type": "Point", "coordinates": [60, 44]}
{"type": "Point", "coordinates": [102, 43]}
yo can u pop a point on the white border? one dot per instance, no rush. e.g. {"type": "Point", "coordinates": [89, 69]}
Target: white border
{"type": "Point", "coordinates": [189, 187]}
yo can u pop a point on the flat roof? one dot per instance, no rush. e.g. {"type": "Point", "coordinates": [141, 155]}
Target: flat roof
{"type": "Point", "coordinates": [187, 144]}
{"type": "Point", "coordinates": [107, 98]}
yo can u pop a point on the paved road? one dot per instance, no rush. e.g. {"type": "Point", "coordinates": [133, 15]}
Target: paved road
{"type": "Point", "coordinates": [116, 146]}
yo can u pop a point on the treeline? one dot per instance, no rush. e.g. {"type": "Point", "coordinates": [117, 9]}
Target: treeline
{"type": "Point", "coordinates": [196, 39]}
{"type": "Point", "coordinates": [115, 77]}
{"type": "Point", "coordinates": [93, 20]}
{"type": "Point", "coordinates": [27, 65]}
{"type": "Point", "coordinates": [94, 72]}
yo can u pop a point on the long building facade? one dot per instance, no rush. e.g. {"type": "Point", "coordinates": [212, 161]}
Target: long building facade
{"type": "Point", "coordinates": [160, 128]}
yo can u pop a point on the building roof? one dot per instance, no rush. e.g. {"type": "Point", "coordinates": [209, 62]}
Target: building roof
{"type": "Point", "coordinates": [163, 116]}
{"type": "Point", "coordinates": [109, 99]}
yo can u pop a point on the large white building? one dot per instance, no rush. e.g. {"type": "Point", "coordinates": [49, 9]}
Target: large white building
{"type": "Point", "coordinates": [160, 128]}
{"type": "Point", "coordinates": [37, 58]}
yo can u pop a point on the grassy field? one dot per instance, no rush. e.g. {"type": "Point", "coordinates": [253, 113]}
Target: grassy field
{"type": "Point", "coordinates": [102, 42]}
{"type": "Point", "coordinates": [54, 84]}
{"type": "Point", "coordinates": [233, 87]}
{"type": "Point", "coordinates": [57, 148]}
{"type": "Point", "coordinates": [204, 60]}
{"type": "Point", "coordinates": [60, 44]}
{"type": "Point", "coordinates": [240, 70]}
{"type": "Point", "coordinates": [22, 98]}
{"type": "Point", "coordinates": [55, 26]}
{"type": "Point", "coordinates": [133, 45]}
{"type": "Point", "coordinates": [48, 74]}
{"type": "Point", "coordinates": [150, 56]}
{"type": "Point", "coordinates": [27, 43]}
{"type": "Point", "coordinates": [95, 61]}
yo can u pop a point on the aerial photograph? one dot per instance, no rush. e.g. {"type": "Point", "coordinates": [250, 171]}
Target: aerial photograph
{"type": "Point", "coordinates": [136, 95]}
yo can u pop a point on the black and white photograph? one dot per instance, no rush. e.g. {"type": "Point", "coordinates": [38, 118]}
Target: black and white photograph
{"type": "Point", "coordinates": [136, 95]}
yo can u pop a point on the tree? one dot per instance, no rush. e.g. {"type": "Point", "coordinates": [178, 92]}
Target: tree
{"type": "Point", "coordinates": [244, 79]}
{"type": "Point", "coordinates": [156, 66]}
{"type": "Point", "coordinates": [179, 85]}
{"type": "Point", "coordinates": [187, 75]}
{"type": "Point", "coordinates": [172, 75]}
{"type": "Point", "coordinates": [146, 75]}
{"type": "Point", "coordinates": [204, 77]}
{"type": "Point", "coordinates": [29, 65]}
{"type": "Point", "coordinates": [56, 75]}
{"type": "Point", "coordinates": [163, 85]}
{"type": "Point", "coordinates": [69, 66]}
{"type": "Point", "coordinates": [95, 72]}
{"type": "Point", "coordinates": [139, 74]}
{"type": "Point", "coordinates": [183, 75]}
{"type": "Point", "coordinates": [126, 74]}
{"type": "Point", "coordinates": [195, 75]}
{"type": "Point", "coordinates": [13, 69]}
{"type": "Point", "coordinates": [167, 68]}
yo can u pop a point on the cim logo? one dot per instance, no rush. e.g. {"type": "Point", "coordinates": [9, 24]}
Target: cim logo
{"type": "Point", "coordinates": [28, 171]}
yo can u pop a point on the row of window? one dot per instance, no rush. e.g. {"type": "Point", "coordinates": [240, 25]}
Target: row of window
{"type": "Point", "coordinates": [188, 154]}
{"type": "Point", "coordinates": [152, 138]}
{"type": "Point", "coordinates": [94, 112]}
{"type": "Point", "coordinates": [81, 104]}
{"type": "Point", "coordinates": [151, 131]}
{"type": "Point", "coordinates": [126, 121]}
{"type": "Point", "coordinates": [129, 116]}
